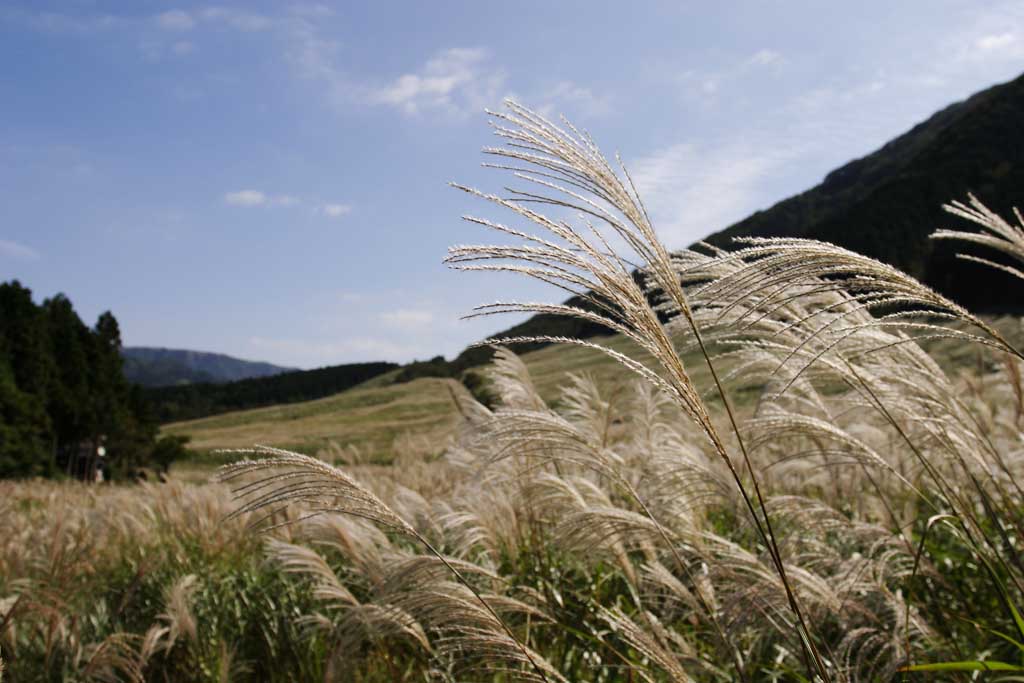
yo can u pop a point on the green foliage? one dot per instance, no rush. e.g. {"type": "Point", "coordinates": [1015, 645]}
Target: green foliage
{"type": "Point", "coordinates": [480, 387]}
{"type": "Point", "coordinates": [435, 367]}
{"type": "Point", "coordinates": [169, 449]}
{"type": "Point", "coordinates": [62, 389]}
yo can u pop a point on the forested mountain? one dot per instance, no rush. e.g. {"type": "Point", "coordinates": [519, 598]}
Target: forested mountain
{"type": "Point", "coordinates": [62, 390]}
{"type": "Point", "coordinates": [158, 367]}
{"type": "Point", "coordinates": [886, 204]}
{"type": "Point", "coordinates": [185, 402]}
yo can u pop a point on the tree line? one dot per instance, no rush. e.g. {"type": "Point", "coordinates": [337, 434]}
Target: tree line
{"type": "Point", "coordinates": [191, 401]}
{"type": "Point", "coordinates": [65, 406]}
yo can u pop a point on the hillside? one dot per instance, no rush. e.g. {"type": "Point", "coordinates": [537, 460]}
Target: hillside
{"type": "Point", "coordinates": [158, 367]}
{"type": "Point", "coordinates": [381, 419]}
{"type": "Point", "coordinates": [886, 204]}
{"type": "Point", "coordinates": [190, 401]}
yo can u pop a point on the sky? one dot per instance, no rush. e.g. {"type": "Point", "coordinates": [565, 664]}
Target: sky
{"type": "Point", "coordinates": [270, 180]}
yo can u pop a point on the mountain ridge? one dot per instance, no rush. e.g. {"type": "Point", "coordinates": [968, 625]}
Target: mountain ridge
{"type": "Point", "coordinates": [884, 205]}
{"type": "Point", "coordinates": [155, 366]}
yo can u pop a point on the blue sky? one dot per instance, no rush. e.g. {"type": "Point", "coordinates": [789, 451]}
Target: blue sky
{"type": "Point", "coordinates": [269, 180]}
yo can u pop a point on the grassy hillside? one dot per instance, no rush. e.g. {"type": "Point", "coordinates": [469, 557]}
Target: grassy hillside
{"type": "Point", "coordinates": [381, 419]}
{"type": "Point", "coordinates": [373, 415]}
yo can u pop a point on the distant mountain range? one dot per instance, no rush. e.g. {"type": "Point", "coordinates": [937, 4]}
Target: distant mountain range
{"type": "Point", "coordinates": [156, 367]}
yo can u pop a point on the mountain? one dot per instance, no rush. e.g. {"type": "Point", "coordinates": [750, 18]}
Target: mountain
{"type": "Point", "coordinates": [156, 367]}
{"type": "Point", "coordinates": [885, 205]}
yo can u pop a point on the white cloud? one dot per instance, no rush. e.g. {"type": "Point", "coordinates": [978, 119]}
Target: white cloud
{"type": "Point", "coordinates": [765, 58]}
{"type": "Point", "coordinates": [237, 19]}
{"type": "Point", "coordinates": [456, 79]}
{"type": "Point", "coordinates": [335, 210]}
{"type": "Point", "coordinates": [246, 198]}
{"type": "Point", "coordinates": [408, 319]}
{"type": "Point", "coordinates": [998, 41]}
{"type": "Point", "coordinates": [17, 251]}
{"type": "Point", "coordinates": [182, 47]}
{"type": "Point", "coordinates": [693, 190]}
{"type": "Point", "coordinates": [707, 83]}
{"type": "Point", "coordinates": [567, 97]}
{"type": "Point", "coordinates": [175, 20]}
{"type": "Point", "coordinates": [312, 353]}
{"type": "Point", "coordinates": [251, 198]}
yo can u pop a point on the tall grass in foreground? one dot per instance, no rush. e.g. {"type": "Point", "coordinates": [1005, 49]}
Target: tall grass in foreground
{"type": "Point", "coordinates": [854, 410]}
{"type": "Point", "coordinates": [833, 504]}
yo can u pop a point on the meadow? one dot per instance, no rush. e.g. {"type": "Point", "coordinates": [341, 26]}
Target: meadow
{"type": "Point", "coordinates": [800, 464]}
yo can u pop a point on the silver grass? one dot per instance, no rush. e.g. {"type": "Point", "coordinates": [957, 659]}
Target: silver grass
{"type": "Point", "coordinates": [658, 654]}
{"type": "Point", "coordinates": [303, 560]}
{"type": "Point", "coordinates": [997, 233]}
{"type": "Point", "coordinates": [571, 175]}
{"type": "Point", "coordinates": [284, 478]}
{"type": "Point", "coordinates": [178, 615]}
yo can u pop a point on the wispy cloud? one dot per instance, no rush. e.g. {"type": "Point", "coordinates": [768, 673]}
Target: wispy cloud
{"type": "Point", "coordinates": [311, 353]}
{"type": "Point", "coordinates": [693, 190]}
{"type": "Point", "coordinates": [996, 41]}
{"type": "Point", "coordinates": [246, 198]}
{"type": "Point", "coordinates": [240, 20]}
{"type": "Point", "coordinates": [764, 58]}
{"type": "Point", "coordinates": [457, 79]}
{"type": "Point", "coordinates": [17, 251]}
{"type": "Point", "coordinates": [257, 198]}
{"type": "Point", "coordinates": [175, 20]}
{"type": "Point", "coordinates": [237, 19]}
{"type": "Point", "coordinates": [570, 98]}
{"type": "Point", "coordinates": [335, 210]}
{"type": "Point", "coordinates": [407, 319]}
{"type": "Point", "coordinates": [707, 83]}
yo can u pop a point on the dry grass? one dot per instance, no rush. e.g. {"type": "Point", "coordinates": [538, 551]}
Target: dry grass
{"type": "Point", "coordinates": [858, 515]}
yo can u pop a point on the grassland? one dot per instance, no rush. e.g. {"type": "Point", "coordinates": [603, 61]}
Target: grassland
{"type": "Point", "coordinates": [857, 519]}
{"type": "Point", "coordinates": [374, 419]}
{"type": "Point", "coordinates": [378, 419]}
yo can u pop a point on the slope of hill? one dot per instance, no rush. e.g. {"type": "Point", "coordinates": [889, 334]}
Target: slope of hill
{"type": "Point", "coordinates": [191, 401]}
{"type": "Point", "coordinates": [382, 419]}
{"type": "Point", "coordinates": [886, 204]}
{"type": "Point", "coordinates": [157, 367]}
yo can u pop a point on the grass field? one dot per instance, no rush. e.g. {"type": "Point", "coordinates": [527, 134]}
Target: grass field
{"type": "Point", "coordinates": [840, 502]}
{"type": "Point", "coordinates": [377, 417]}
{"type": "Point", "coordinates": [378, 420]}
